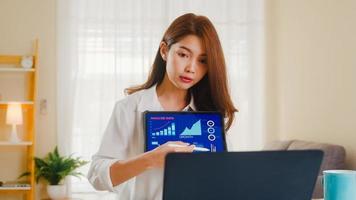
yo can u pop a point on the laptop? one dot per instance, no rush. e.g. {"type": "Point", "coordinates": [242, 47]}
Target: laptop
{"type": "Point", "coordinates": [203, 129]}
{"type": "Point", "coordinates": [263, 175]}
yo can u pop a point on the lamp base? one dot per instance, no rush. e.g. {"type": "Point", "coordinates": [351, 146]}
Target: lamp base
{"type": "Point", "coordinates": [13, 137]}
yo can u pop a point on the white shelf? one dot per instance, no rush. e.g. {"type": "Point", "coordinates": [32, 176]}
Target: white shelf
{"type": "Point", "coordinates": [14, 69]}
{"type": "Point", "coordinates": [15, 188]}
{"type": "Point", "coordinates": [21, 102]}
{"type": "Point", "coordinates": [5, 143]}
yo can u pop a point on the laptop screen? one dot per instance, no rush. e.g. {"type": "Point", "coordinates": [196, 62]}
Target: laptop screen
{"type": "Point", "coordinates": [203, 129]}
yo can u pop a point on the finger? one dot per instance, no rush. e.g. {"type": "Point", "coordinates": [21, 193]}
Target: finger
{"type": "Point", "coordinates": [181, 143]}
{"type": "Point", "coordinates": [191, 148]}
{"type": "Point", "coordinates": [172, 142]}
{"type": "Point", "coordinates": [185, 149]}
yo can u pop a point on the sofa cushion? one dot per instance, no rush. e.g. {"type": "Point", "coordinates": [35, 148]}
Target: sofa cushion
{"type": "Point", "coordinates": [277, 145]}
{"type": "Point", "coordinates": [334, 155]}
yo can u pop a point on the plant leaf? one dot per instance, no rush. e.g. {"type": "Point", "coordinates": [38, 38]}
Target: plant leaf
{"type": "Point", "coordinates": [54, 167]}
{"type": "Point", "coordinates": [24, 174]}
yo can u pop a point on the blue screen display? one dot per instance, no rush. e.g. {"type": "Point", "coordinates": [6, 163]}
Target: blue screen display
{"type": "Point", "coordinates": [203, 129]}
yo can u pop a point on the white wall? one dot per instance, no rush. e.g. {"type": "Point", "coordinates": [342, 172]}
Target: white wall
{"type": "Point", "coordinates": [22, 21]}
{"type": "Point", "coordinates": [311, 52]}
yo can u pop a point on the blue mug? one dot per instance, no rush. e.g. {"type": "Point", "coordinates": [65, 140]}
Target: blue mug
{"type": "Point", "coordinates": [339, 185]}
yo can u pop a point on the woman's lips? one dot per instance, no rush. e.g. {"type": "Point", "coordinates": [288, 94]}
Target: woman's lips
{"type": "Point", "coordinates": [185, 79]}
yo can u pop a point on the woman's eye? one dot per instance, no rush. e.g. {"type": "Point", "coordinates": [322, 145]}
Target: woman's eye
{"type": "Point", "coordinates": [182, 55]}
{"type": "Point", "coordinates": [203, 61]}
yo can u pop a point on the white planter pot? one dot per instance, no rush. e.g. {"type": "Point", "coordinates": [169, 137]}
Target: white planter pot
{"type": "Point", "coordinates": [56, 191]}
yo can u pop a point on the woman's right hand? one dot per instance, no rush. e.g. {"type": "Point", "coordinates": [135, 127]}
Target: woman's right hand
{"type": "Point", "coordinates": [157, 156]}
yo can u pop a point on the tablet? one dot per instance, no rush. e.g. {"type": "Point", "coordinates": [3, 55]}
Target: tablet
{"type": "Point", "coordinates": [203, 129]}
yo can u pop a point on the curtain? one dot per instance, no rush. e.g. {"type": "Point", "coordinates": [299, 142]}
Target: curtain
{"type": "Point", "coordinates": [106, 46]}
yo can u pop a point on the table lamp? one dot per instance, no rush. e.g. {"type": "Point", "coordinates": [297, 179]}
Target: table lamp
{"type": "Point", "coordinates": [14, 117]}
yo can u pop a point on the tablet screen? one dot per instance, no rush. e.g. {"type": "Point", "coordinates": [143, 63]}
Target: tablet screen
{"type": "Point", "coordinates": [203, 129]}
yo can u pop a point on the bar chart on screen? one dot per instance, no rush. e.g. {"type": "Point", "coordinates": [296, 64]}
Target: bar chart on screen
{"type": "Point", "coordinates": [169, 131]}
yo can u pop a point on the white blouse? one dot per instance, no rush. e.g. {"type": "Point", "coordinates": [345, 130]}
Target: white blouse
{"type": "Point", "coordinates": [124, 139]}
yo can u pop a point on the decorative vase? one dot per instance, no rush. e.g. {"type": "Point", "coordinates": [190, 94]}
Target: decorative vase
{"type": "Point", "coordinates": [56, 191]}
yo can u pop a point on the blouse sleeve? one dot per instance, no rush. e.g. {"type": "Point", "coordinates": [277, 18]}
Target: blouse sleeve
{"type": "Point", "coordinates": [112, 149]}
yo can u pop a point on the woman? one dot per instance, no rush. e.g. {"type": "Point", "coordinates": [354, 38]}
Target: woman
{"type": "Point", "coordinates": [188, 74]}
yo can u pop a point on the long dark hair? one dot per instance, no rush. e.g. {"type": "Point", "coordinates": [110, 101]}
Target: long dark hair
{"type": "Point", "coordinates": [211, 93]}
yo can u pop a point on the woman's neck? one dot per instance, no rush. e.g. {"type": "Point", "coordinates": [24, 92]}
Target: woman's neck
{"type": "Point", "coordinates": [170, 97]}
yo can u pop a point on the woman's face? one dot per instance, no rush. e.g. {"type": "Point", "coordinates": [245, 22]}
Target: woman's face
{"type": "Point", "coordinates": [185, 62]}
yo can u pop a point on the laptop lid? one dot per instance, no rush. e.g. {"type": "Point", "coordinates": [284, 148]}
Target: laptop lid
{"type": "Point", "coordinates": [265, 175]}
{"type": "Point", "coordinates": [203, 129]}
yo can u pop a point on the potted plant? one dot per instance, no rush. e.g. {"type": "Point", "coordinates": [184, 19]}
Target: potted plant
{"type": "Point", "coordinates": [54, 168]}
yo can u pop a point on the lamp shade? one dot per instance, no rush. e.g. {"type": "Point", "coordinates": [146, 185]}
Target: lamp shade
{"type": "Point", "coordinates": [14, 114]}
